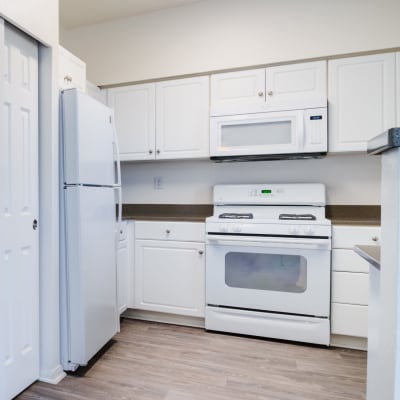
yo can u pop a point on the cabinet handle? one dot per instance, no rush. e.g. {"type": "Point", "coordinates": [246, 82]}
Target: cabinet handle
{"type": "Point", "coordinates": [201, 252]}
{"type": "Point", "coordinates": [158, 151]}
{"type": "Point", "coordinates": [375, 238]}
{"type": "Point", "coordinates": [260, 94]}
{"type": "Point", "coordinates": [67, 78]}
{"type": "Point", "coordinates": [150, 151]}
{"type": "Point", "coordinates": [34, 224]}
{"type": "Point", "coordinates": [270, 93]}
{"type": "Point", "coordinates": [167, 231]}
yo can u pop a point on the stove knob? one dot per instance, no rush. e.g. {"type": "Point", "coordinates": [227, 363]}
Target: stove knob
{"type": "Point", "coordinates": [309, 230]}
{"type": "Point", "coordinates": [237, 228]}
{"type": "Point", "coordinates": [294, 230]}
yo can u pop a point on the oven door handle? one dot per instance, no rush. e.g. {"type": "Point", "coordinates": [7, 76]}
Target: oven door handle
{"type": "Point", "coordinates": [263, 241]}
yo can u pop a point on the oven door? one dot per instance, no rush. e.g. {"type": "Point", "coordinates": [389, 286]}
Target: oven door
{"type": "Point", "coordinates": [276, 274]}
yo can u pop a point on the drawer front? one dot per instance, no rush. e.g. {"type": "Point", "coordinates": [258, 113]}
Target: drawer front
{"type": "Point", "coordinates": [180, 231]}
{"type": "Point", "coordinates": [350, 320]}
{"type": "Point", "coordinates": [350, 288]}
{"type": "Point", "coordinates": [346, 260]}
{"type": "Point", "coordinates": [346, 237]}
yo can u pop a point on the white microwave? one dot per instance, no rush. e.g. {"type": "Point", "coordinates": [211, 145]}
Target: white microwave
{"type": "Point", "coordinates": [269, 136]}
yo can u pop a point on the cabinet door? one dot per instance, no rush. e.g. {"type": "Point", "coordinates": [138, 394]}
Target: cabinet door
{"type": "Point", "coordinates": [170, 277]}
{"type": "Point", "coordinates": [182, 118]}
{"type": "Point", "coordinates": [296, 85]}
{"type": "Point", "coordinates": [134, 110]}
{"type": "Point", "coordinates": [238, 92]}
{"type": "Point", "coordinates": [72, 70]}
{"type": "Point", "coordinates": [122, 275]}
{"type": "Point", "coordinates": [361, 94]}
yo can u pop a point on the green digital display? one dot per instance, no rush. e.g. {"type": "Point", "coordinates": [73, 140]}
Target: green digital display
{"type": "Point", "coordinates": [266, 191]}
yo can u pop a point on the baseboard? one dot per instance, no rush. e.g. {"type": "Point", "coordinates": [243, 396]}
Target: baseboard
{"type": "Point", "coordinates": [175, 319]}
{"type": "Point", "coordinates": [349, 342]}
{"type": "Point", "coordinates": [54, 376]}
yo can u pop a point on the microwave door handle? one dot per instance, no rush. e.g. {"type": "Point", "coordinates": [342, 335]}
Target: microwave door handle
{"type": "Point", "coordinates": [301, 128]}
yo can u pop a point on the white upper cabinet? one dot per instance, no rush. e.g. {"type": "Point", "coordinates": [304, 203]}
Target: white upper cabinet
{"type": "Point", "coordinates": [243, 91]}
{"type": "Point", "coordinates": [283, 87]}
{"type": "Point", "coordinates": [72, 70]}
{"type": "Point", "coordinates": [297, 85]}
{"type": "Point", "coordinates": [182, 118]}
{"type": "Point", "coordinates": [361, 98]}
{"type": "Point", "coordinates": [164, 120]}
{"type": "Point", "coordinates": [134, 110]}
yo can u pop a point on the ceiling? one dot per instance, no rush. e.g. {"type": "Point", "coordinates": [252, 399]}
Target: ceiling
{"type": "Point", "coordinates": [75, 13]}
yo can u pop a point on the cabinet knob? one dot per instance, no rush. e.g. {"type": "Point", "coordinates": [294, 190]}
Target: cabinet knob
{"type": "Point", "coordinates": [260, 94]}
{"type": "Point", "coordinates": [201, 252]}
{"type": "Point", "coordinates": [167, 231]}
{"type": "Point", "coordinates": [375, 238]}
{"type": "Point", "coordinates": [158, 151]}
{"type": "Point", "coordinates": [67, 78]}
{"type": "Point", "coordinates": [150, 151]}
{"type": "Point", "coordinates": [270, 93]}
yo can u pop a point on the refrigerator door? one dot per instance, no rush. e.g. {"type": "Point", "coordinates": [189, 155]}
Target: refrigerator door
{"type": "Point", "coordinates": [88, 140]}
{"type": "Point", "coordinates": [90, 271]}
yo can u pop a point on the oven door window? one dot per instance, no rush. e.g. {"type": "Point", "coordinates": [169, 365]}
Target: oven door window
{"type": "Point", "coordinates": [271, 272]}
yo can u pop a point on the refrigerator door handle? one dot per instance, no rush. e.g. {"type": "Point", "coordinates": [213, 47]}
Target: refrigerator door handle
{"type": "Point", "coordinates": [117, 185]}
{"type": "Point", "coordinates": [116, 146]}
{"type": "Point", "coordinates": [119, 218]}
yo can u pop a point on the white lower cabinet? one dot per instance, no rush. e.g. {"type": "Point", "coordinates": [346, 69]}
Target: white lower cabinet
{"type": "Point", "coordinates": [125, 266]}
{"type": "Point", "coordinates": [350, 280]}
{"type": "Point", "coordinates": [170, 267]}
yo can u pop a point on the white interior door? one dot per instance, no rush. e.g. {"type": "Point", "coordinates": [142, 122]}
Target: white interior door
{"type": "Point", "coordinates": [19, 276]}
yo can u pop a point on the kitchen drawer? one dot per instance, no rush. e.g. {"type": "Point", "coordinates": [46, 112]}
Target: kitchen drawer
{"type": "Point", "coordinates": [347, 260]}
{"type": "Point", "coordinates": [346, 237]}
{"type": "Point", "coordinates": [350, 320]}
{"type": "Point", "coordinates": [350, 287]}
{"type": "Point", "coordinates": [178, 231]}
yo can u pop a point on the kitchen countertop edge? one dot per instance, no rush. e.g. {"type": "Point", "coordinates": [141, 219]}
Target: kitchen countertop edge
{"type": "Point", "coordinates": [339, 215]}
{"type": "Point", "coordinates": [372, 254]}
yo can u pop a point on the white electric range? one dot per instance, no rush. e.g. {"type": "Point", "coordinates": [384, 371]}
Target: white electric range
{"type": "Point", "coordinates": [268, 262]}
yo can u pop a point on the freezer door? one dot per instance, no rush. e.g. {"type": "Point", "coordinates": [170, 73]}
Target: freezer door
{"type": "Point", "coordinates": [88, 140]}
{"type": "Point", "coordinates": [90, 270]}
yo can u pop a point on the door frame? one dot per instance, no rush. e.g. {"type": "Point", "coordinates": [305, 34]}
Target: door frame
{"type": "Point", "coordinates": [48, 155]}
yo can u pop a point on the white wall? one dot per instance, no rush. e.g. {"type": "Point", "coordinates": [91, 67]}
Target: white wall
{"type": "Point", "coordinates": [350, 179]}
{"type": "Point", "coordinates": [222, 34]}
{"type": "Point", "coordinates": [39, 18]}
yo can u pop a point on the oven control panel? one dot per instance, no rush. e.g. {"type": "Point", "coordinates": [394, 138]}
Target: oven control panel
{"type": "Point", "coordinates": [283, 194]}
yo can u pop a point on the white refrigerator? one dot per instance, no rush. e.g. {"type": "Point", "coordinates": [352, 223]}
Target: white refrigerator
{"type": "Point", "coordinates": [91, 188]}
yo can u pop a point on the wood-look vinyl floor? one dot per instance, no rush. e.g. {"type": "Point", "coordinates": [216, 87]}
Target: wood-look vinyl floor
{"type": "Point", "coordinates": [151, 361]}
